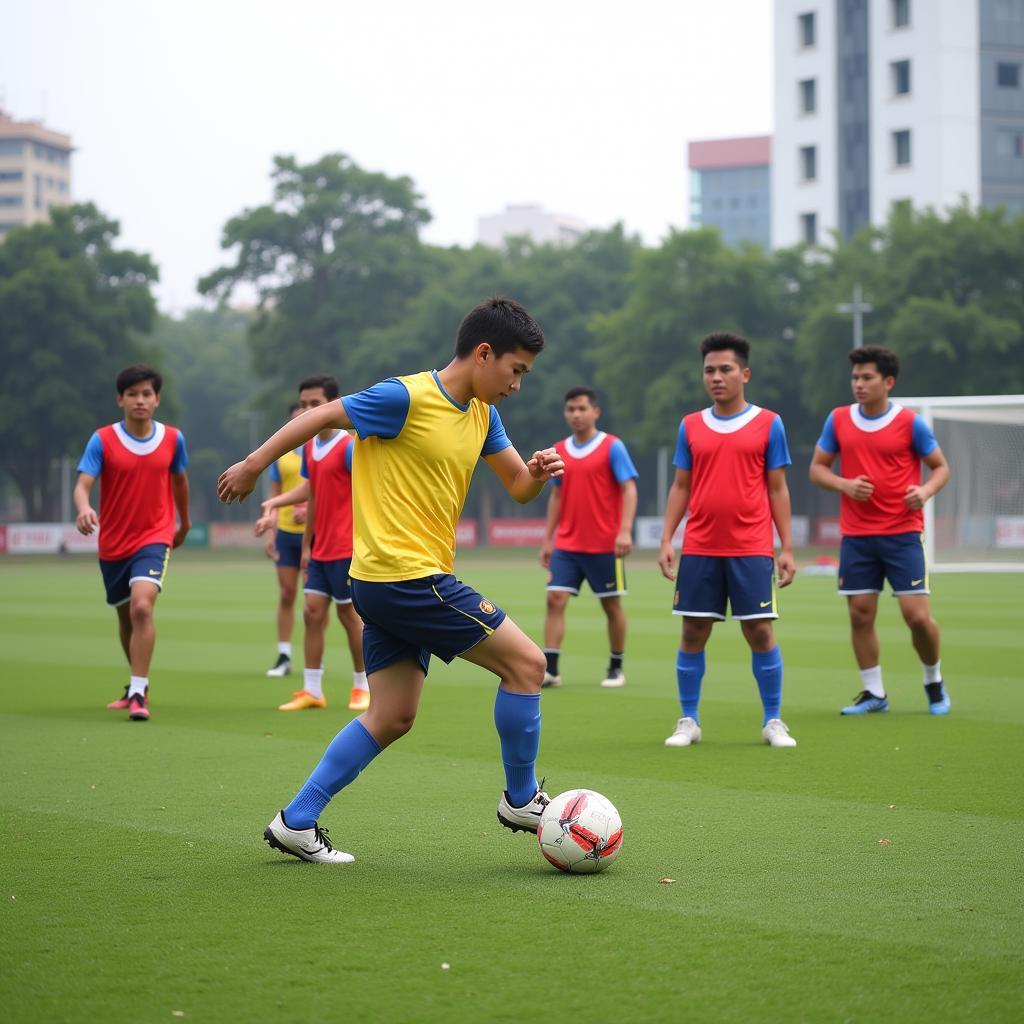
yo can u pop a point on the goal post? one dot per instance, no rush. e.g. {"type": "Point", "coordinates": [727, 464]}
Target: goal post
{"type": "Point", "coordinates": [976, 522]}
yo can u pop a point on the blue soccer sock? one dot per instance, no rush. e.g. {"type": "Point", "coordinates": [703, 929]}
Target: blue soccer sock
{"type": "Point", "coordinates": [767, 667]}
{"type": "Point", "coordinates": [345, 757]}
{"type": "Point", "coordinates": [689, 676]}
{"type": "Point", "coordinates": [517, 719]}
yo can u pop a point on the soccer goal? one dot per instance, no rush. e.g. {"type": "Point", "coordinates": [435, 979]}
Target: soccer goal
{"type": "Point", "coordinates": [976, 523]}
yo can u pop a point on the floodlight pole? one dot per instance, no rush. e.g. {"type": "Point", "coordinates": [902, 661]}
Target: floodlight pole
{"type": "Point", "coordinates": [858, 308]}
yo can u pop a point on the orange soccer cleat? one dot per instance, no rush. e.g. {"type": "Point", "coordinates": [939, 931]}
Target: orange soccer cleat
{"type": "Point", "coordinates": [301, 700]}
{"type": "Point", "coordinates": [359, 699]}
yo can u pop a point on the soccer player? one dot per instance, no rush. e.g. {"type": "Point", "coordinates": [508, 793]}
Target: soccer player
{"type": "Point", "coordinates": [284, 547]}
{"type": "Point", "coordinates": [141, 467]}
{"type": "Point", "coordinates": [589, 531]}
{"type": "Point", "coordinates": [419, 440]}
{"type": "Point", "coordinates": [326, 548]}
{"type": "Point", "coordinates": [881, 446]}
{"type": "Point", "coordinates": [730, 464]}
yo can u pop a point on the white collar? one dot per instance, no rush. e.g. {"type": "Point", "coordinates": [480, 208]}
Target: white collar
{"type": "Point", "coordinates": [869, 424]}
{"type": "Point", "coordinates": [321, 451]}
{"type": "Point", "coordinates": [581, 452]}
{"type": "Point", "coordinates": [134, 445]}
{"type": "Point", "coordinates": [729, 424]}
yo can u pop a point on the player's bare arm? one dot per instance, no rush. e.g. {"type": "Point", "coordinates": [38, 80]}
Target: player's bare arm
{"type": "Point", "coordinates": [858, 488]}
{"type": "Point", "coordinates": [675, 509]}
{"type": "Point", "coordinates": [916, 497]}
{"type": "Point", "coordinates": [307, 534]}
{"type": "Point", "coordinates": [268, 510]}
{"type": "Point", "coordinates": [239, 481]}
{"type": "Point", "coordinates": [525, 480]}
{"type": "Point", "coordinates": [86, 519]}
{"type": "Point", "coordinates": [624, 540]}
{"type": "Point", "coordinates": [551, 526]}
{"type": "Point", "coordinates": [781, 506]}
{"type": "Point", "coordinates": [179, 492]}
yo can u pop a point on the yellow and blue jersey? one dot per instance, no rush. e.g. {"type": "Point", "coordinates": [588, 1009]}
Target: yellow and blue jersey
{"type": "Point", "coordinates": [413, 462]}
{"type": "Point", "coordinates": [286, 471]}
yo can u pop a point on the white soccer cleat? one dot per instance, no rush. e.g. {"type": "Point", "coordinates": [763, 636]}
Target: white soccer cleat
{"type": "Point", "coordinates": [687, 733]}
{"type": "Point", "coordinates": [282, 667]}
{"type": "Point", "coordinates": [776, 733]}
{"type": "Point", "coordinates": [310, 844]}
{"type": "Point", "coordinates": [522, 819]}
{"type": "Point", "coordinates": [551, 681]}
{"type": "Point", "coordinates": [614, 679]}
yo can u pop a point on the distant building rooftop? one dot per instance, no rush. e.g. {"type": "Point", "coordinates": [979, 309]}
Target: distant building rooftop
{"type": "Point", "coordinates": [711, 154]}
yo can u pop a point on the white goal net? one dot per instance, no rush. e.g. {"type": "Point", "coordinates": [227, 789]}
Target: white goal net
{"type": "Point", "coordinates": [976, 523]}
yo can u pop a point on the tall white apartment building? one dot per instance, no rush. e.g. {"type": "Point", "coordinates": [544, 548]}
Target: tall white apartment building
{"type": "Point", "coordinates": [531, 221]}
{"type": "Point", "coordinates": [879, 102]}
{"type": "Point", "coordinates": [35, 172]}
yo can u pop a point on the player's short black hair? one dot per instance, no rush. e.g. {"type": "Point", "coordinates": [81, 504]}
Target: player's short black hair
{"type": "Point", "coordinates": [324, 381]}
{"type": "Point", "coordinates": [137, 373]}
{"type": "Point", "coordinates": [503, 323]}
{"type": "Point", "coordinates": [720, 341]}
{"type": "Point", "coordinates": [887, 361]}
{"type": "Point", "coordinates": [580, 391]}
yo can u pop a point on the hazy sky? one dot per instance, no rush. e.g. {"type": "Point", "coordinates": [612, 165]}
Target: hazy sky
{"type": "Point", "coordinates": [176, 109]}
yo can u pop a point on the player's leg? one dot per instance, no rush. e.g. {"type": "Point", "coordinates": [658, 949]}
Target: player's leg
{"type": "Point", "coordinates": [564, 578]}
{"type": "Point", "coordinates": [861, 576]}
{"type": "Point", "coordinates": [141, 645]}
{"type": "Point", "coordinates": [606, 575]}
{"type": "Point", "coordinates": [287, 589]}
{"type": "Point", "coordinates": [316, 606]}
{"type": "Point", "coordinates": [115, 582]}
{"type": "Point", "coordinates": [359, 698]}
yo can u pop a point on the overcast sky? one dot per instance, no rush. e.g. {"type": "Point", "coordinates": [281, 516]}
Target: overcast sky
{"type": "Point", "coordinates": [176, 108]}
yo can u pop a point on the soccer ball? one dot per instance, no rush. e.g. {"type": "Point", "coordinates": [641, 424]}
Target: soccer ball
{"type": "Point", "coordinates": [580, 831]}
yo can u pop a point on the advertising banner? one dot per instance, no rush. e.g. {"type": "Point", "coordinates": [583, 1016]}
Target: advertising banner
{"type": "Point", "coordinates": [516, 533]}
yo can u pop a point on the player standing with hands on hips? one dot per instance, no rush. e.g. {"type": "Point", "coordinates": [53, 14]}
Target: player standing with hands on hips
{"type": "Point", "coordinates": [731, 475]}
{"type": "Point", "coordinates": [881, 446]}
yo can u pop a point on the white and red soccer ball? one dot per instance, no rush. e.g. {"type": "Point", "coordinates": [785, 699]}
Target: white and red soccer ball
{"type": "Point", "coordinates": [580, 831]}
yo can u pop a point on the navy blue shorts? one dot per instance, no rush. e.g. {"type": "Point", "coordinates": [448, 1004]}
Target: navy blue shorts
{"type": "Point", "coordinates": [414, 619]}
{"type": "Point", "coordinates": [148, 563]}
{"type": "Point", "coordinates": [605, 573]}
{"type": "Point", "coordinates": [705, 582]}
{"type": "Point", "coordinates": [866, 562]}
{"type": "Point", "coordinates": [289, 549]}
{"type": "Point", "coordinates": [330, 579]}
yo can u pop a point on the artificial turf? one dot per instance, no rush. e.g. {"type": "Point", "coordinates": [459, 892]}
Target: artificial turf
{"type": "Point", "coordinates": [875, 871]}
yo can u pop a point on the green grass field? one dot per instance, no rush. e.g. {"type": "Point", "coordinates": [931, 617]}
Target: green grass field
{"type": "Point", "coordinates": [873, 872]}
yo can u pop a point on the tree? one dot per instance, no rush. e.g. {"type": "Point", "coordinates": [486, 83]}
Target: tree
{"type": "Point", "coordinates": [73, 311]}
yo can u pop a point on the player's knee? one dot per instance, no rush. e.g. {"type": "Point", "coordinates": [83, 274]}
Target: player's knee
{"type": "Point", "coordinates": [917, 617]}
{"type": "Point", "coordinates": [312, 615]}
{"type": "Point", "coordinates": [393, 724]}
{"type": "Point", "coordinates": [527, 674]}
{"type": "Point", "coordinates": [557, 600]}
{"type": "Point", "coordinates": [696, 631]}
{"type": "Point", "coordinates": [288, 593]}
{"type": "Point", "coordinates": [760, 635]}
{"type": "Point", "coordinates": [861, 617]}
{"type": "Point", "coordinates": [141, 613]}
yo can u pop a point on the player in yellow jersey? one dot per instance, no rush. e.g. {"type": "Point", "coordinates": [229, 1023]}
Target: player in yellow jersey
{"type": "Point", "coordinates": [284, 547]}
{"type": "Point", "coordinates": [419, 438]}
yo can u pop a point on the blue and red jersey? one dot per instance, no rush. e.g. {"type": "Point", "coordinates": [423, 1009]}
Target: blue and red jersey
{"type": "Point", "coordinates": [136, 501]}
{"type": "Point", "coordinates": [887, 449]}
{"type": "Point", "coordinates": [590, 512]}
{"type": "Point", "coordinates": [328, 467]}
{"type": "Point", "coordinates": [729, 458]}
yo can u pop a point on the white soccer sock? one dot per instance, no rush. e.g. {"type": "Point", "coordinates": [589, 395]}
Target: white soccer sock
{"type": "Point", "coordinates": [872, 681]}
{"type": "Point", "coordinates": [313, 681]}
{"type": "Point", "coordinates": [359, 681]}
{"type": "Point", "coordinates": [932, 673]}
{"type": "Point", "coordinates": [284, 647]}
{"type": "Point", "coordinates": [138, 684]}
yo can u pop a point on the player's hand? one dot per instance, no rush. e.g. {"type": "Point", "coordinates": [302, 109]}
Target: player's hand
{"type": "Point", "coordinates": [299, 513]}
{"type": "Point", "coordinates": [859, 488]}
{"type": "Point", "coordinates": [304, 562]}
{"type": "Point", "coordinates": [267, 521]}
{"type": "Point", "coordinates": [545, 553]}
{"type": "Point", "coordinates": [86, 522]}
{"type": "Point", "coordinates": [915, 497]}
{"type": "Point", "coordinates": [623, 543]}
{"type": "Point", "coordinates": [180, 534]}
{"type": "Point", "coordinates": [236, 483]}
{"type": "Point", "coordinates": [667, 560]}
{"type": "Point", "coordinates": [546, 465]}
{"type": "Point", "coordinates": [270, 548]}
{"type": "Point", "coordinates": [785, 568]}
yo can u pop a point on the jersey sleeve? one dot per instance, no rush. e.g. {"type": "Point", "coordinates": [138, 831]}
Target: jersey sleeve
{"type": "Point", "coordinates": [621, 463]}
{"type": "Point", "coordinates": [304, 469]}
{"type": "Point", "coordinates": [496, 440]}
{"type": "Point", "coordinates": [349, 452]}
{"type": "Point", "coordinates": [91, 461]}
{"type": "Point", "coordinates": [828, 442]}
{"type": "Point", "coordinates": [180, 460]}
{"type": "Point", "coordinates": [380, 411]}
{"type": "Point", "coordinates": [777, 454]}
{"type": "Point", "coordinates": [274, 473]}
{"type": "Point", "coordinates": [924, 439]}
{"type": "Point", "coordinates": [682, 458]}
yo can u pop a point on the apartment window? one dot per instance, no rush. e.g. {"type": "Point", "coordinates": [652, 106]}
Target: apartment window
{"type": "Point", "coordinates": [11, 201]}
{"type": "Point", "coordinates": [808, 163]}
{"type": "Point", "coordinates": [807, 30]}
{"type": "Point", "coordinates": [900, 13]}
{"type": "Point", "coordinates": [11, 175]}
{"type": "Point", "coordinates": [10, 147]}
{"type": "Point", "coordinates": [1008, 75]}
{"type": "Point", "coordinates": [1010, 143]}
{"type": "Point", "coordinates": [808, 96]}
{"type": "Point", "coordinates": [900, 77]}
{"type": "Point", "coordinates": [901, 148]}
{"type": "Point", "coordinates": [809, 228]}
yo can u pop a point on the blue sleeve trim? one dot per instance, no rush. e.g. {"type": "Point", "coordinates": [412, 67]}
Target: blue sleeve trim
{"type": "Point", "coordinates": [304, 469]}
{"type": "Point", "coordinates": [349, 452]}
{"type": "Point", "coordinates": [496, 440]}
{"type": "Point", "coordinates": [274, 473]}
{"type": "Point", "coordinates": [92, 458]}
{"type": "Point", "coordinates": [380, 411]}
{"type": "Point", "coordinates": [180, 460]}
{"type": "Point", "coordinates": [924, 439]}
{"type": "Point", "coordinates": [828, 441]}
{"type": "Point", "coordinates": [682, 458]}
{"type": "Point", "coordinates": [621, 463]}
{"type": "Point", "coordinates": [777, 454]}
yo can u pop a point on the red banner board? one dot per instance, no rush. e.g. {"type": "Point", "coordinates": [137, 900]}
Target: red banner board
{"type": "Point", "coordinates": [516, 533]}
